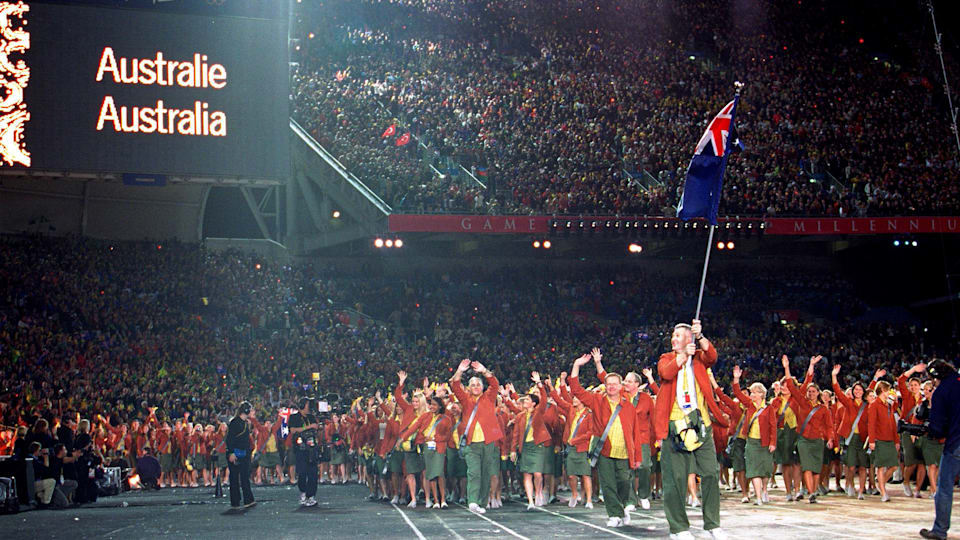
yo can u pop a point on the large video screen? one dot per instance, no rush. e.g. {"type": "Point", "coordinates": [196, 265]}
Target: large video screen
{"type": "Point", "coordinates": [121, 90]}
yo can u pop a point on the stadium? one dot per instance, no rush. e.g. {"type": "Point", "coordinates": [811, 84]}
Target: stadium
{"type": "Point", "coordinates": [359, 252]}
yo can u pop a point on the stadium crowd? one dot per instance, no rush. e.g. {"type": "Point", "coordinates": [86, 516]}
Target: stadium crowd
{"type": "Point", "coordinates": [119, 350]}
{"type": "Point", "coordinates": [585, 108]}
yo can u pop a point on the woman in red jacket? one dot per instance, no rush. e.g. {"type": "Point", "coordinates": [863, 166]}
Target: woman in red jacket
{"type": "Point", "coordinates": [431, 432]}
{"type": "Point", "coordinates": [760, 431]}
{"type": "Point", "coordinates": [531, 443]}
{"type": "Point", "coordinates": [884, 440]}
{"type": "Point", "coordinates": [815, 426]}
{"type": "Point", "coordinates": [576, 438]}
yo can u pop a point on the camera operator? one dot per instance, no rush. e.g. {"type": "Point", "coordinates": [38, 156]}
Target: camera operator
{"type": "Point", "coordinates": [238, 456]}
{"type": "Point", "coordinates": [306, 446]}
{"type": "Point", "coordinates": [945, 423]}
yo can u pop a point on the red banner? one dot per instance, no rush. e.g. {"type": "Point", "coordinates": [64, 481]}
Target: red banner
{"type": "Point", "coordinates": [891, 225]}
{"type": "Point", "coordinates": [400, 223]}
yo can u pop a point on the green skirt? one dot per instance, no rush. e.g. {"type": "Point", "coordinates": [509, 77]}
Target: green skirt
{"type": "Point", "coordinates": [412, 462]}
{"type": "Point", "coordinates": [811, 453]}
{"type": "Point", "coordinates": [856, 454]}
{"type": "Point", "coordinates": [395, 462]}
{"type": "Point", "coordinates": [737, 454]}
{"type": "Point", "coordinates": [786, 452]}
{"type": "Point", "coordinates": [759, 460]}
{"type": "Point", "coordinates": [932, 450]}
{"type": "Point", "coordinates": [577, 462]}
{"type": "Point", "coordinates": [270, 459]}
{"type": "Point", "coordinates": [434, 463]}
{"type": "Point", "coordinates": [338, 456]}
{"type": "Point", "coordinates": [534, 459]}
{"type": "Point", "coordinates": [885, 454]}
{"type": "Point", "coordinates": [456, 465]}
{"type": "Point", "coordinates": [912, 450]}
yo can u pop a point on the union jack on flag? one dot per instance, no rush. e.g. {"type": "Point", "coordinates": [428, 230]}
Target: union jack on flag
{"type": "Point", "coordinates": [704, 182]}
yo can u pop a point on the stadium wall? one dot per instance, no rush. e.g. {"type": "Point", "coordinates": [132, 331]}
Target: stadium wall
{"type": "Point", "coordinates": [101, 209]}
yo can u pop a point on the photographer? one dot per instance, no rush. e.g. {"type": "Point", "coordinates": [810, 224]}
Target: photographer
{"type": "Point", "coordinates": [945, 423]}
{"type": "Point", "coordinates": [303, 429]}
{"type": "Point", "coordinates": [238, 455]}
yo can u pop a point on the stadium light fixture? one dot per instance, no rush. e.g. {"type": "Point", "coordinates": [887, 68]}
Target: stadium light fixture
{"type": "Point", "coordinates": [896, 243]}
{"type": "Point", "coordinates": [547, 244]}
{"type": "Point", "coordinates": [536, 244]}
{"type": "Point", "coordinates": [388, 243]}
{"type": "Point", "coordinates": [721, 245]}
{"type": "Point", "coordinates": [398, 243]}
{"type": "Point", "coordinates": [731, 245]}
{"type": "Point", "coordinates": [378, 243]}
{"type": "Point", "coordinates": [634, 248]}
{"type": "Point", "coordinates": [336, 214]}
{"type": "Point", "coordinates": [914, 243]}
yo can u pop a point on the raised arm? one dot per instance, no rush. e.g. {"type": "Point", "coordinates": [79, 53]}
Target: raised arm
{"type": "Point", "coordinates": [587, 398]}
{"type": "Point", "coordinates": [398, 392]}
{"type": "Point", "coordinates": [455, 385]}
{"type": "Point", "coordinates": [838, 391]}
{"type": "Point", "coordinates": [737, 391]}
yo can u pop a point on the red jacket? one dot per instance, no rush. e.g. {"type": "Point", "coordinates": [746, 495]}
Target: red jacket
{"type": "Point", "coordinates": [582, 439]}
{"type": "Point", "coordinates": [391, 430]}
{"type": "Point", "coordinates": [767, 419]}
{"type": "Point", "coordinates": [667, 396]}
{"type": "Point", "coordinates": [539, 429]}
{"type": "Point", "coordinates": [441, 435]}
{"type": "Point", "coordinates": [882, 425]}
{"type": "Point", "coordinates": [643, 404]}
{"type": "Point", "coordinates": [486, 412]}
{"type": "Point", "coordinates": [599, 405]}
{"type": "Point", "coordinates": [907, 401]}
{"type": "Point", "coordinates": [820, 425]}
{"type": "Point", "coordinates": [734, 411]}
{"type": "Point", "coordinates": [850, 409]}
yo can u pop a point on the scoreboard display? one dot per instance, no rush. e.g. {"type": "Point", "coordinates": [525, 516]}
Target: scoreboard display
{"type": "Point", "coordinates": [101, 89]}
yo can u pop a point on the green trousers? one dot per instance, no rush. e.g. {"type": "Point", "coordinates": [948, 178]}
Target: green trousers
{"type": "Point", "coordinates": [616, 484]}
{"type": "Point", "coordinates": [675, 466]}
{"type": "Point", "coordinates": [482, 463]}
{"type": "Point", "coordinates": [642, 475]}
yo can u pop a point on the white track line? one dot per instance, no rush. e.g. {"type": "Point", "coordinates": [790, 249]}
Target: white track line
{"type": "Point", "coordinates": [447, 527]}
{"type": "Point", "coordinates": [410, 523]}
{"type": "Point", "coordinates": [779, 523]}
{"type": "Point", "coordinates": [504, 527]}
{"type": "Point", "coordinates": [604, 529]}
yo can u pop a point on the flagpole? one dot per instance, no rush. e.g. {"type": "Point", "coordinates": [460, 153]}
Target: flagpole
{"type": "Point", "coordinates": [703, 278]}
{"type": "Point", "coordinates": [713, 226]}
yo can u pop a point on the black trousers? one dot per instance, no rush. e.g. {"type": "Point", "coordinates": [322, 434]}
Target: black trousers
{"type": "Point", "coordinates": [240, 479]}
{"type": "Point", "coordinates": [307, 471]}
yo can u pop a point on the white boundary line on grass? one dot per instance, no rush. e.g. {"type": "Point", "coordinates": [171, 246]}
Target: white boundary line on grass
{"type": "Point", "coordinates": [447, 527]}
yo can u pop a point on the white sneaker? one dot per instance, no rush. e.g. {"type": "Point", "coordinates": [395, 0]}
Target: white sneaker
{"type": "Point", "coordinates": [718, 534]}
{"type": "Point", "coordinates": [572, 503]}
{"type": "Point", "coordinates": [395, 499]}
{"type": "Point", "coordinates": [684, 535]}
{"type": "Point", "coordinates": [645, 504]}
{"type": "Point", "coordinates": [588, 506]}
{"type": "Point", "coordinates": [303, 499]}
{"type": "Point", "coordinates": [412, 504]}
{"type": "Point", "coordinates": [626, 517]}
{"type": "Point", "coordinates": [476, 509]}
{"type": "Point", "coordinates": [530, 506]}
{"type": "Point", "coordinates": [629, 508]}
{"type": "Point", "coordinates": [906, 489]}
{"type": "Point", "coordinates": [311, 501]}
{"type": "Point", "coordinates": [614, 522]}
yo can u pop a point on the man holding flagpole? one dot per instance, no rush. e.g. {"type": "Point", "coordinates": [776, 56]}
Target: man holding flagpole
{"type": "Point", "coordinates": [686, 401]}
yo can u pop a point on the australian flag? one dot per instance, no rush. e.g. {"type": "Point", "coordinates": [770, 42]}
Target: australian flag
{"type": "Point", "coordinates": [704, 183]}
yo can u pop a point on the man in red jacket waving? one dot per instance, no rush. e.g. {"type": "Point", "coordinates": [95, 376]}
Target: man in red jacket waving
{"type": "Point", "coordinates": [481, 431]}
{"type": "Point", "coordinates": [682, 420]}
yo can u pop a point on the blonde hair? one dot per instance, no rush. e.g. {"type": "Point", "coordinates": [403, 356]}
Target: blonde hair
{"type": "Point", "coordinates": [617, 375]}
{"type": "Point", "coordinates": [759, 386]}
